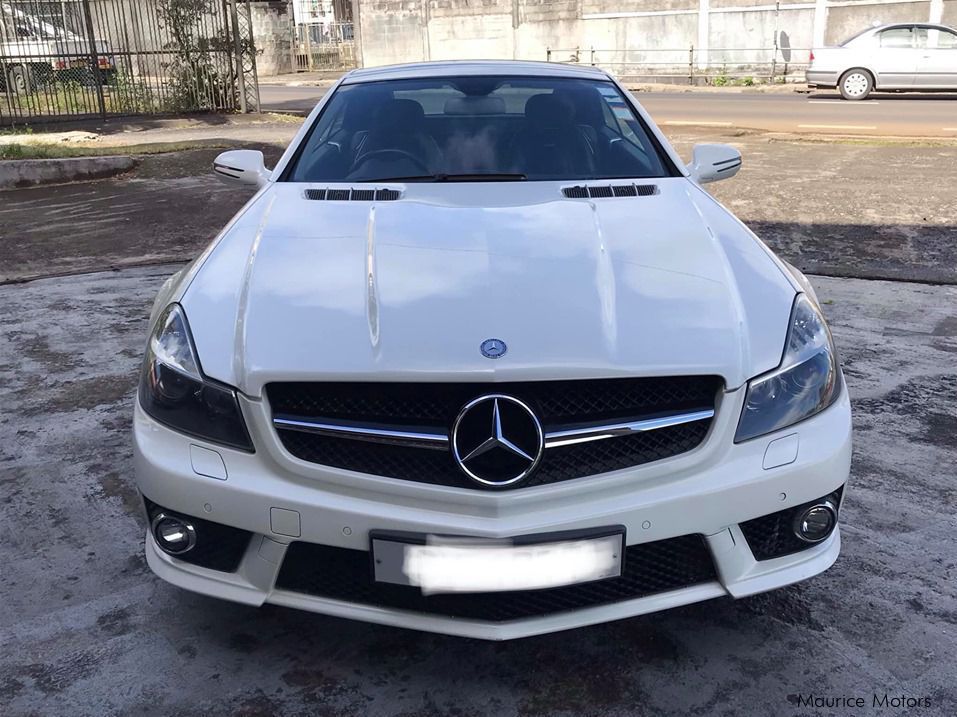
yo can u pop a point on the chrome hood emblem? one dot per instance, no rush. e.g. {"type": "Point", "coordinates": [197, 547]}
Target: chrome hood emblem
{"type": "Point", "coordinates": [493, 348]}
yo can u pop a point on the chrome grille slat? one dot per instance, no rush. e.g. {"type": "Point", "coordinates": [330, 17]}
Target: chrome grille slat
{"type": "Point", "coordinates": [584, 434]}
{"type": "Point", "coordinates": [372, 434]}
{"type": "Point", "coordinates": [440, 441]}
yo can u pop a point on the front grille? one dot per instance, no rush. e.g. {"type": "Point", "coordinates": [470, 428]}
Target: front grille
{"type": "Point", "coordinates": [346, 575]}
{"type": "Point", "coordinates": [439, 468]}
{"type": "Point", "coordinates": [218, 547]}
{"type": "Point", "coordinates": [772, 536]}
{"type": "Point", "coordinates": [434, 406]}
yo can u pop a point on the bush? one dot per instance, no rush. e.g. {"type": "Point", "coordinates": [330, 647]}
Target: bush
{"type": "Point", "coordinates": [195, 80]}
{"type": "Point", "coordinates": [129, 95]}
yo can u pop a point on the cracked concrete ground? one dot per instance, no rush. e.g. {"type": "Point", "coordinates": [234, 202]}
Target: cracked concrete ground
{"type": "Point", "coordinates": [87, 630]}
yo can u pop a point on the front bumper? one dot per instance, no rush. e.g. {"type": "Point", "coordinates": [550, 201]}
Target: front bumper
{"type": "Point", "coordinates": [708, 491]}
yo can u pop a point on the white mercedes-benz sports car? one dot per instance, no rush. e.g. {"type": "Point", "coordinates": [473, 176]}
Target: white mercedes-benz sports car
{"type": "Point", "coordinates": [482, 357]}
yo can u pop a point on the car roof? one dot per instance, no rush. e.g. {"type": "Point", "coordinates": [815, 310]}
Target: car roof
{"type": "Point", "coordinates": [459, 68]}
{"type": "Point", "coordinates": [928, 25]}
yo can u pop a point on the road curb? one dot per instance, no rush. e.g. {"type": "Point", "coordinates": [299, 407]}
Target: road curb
{"type": "Point", "coordinates": [17, 173]}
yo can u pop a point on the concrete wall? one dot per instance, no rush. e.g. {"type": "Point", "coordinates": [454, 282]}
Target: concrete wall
{"type": "Point", "coordinates": [624, 34]}
{"type": "Point", "coordinates": [842, 22]}
{"type": "Point", "coordinates": [272, 22]}
{"type": "Point", "coordinates": [393, 30]}
{"type": "Point", "coordinates": [949, 14]}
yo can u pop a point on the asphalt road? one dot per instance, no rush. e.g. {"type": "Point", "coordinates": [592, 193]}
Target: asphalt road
{"type": "Point", "coordinates": [927, 115]}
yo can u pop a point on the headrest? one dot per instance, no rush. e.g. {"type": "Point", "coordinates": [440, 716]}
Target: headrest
{"type": "Point", "coordinates": [548, 110]}
{"type": "Point", "coordinates": [475, 106]}
{"type": "Point", "coordinates": [586, 105]}
{"type": "Point", "coordinates": [400, 115]}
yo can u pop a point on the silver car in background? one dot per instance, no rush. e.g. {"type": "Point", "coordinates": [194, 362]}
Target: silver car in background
{"type": "Point", "coordinates": [904, 56]}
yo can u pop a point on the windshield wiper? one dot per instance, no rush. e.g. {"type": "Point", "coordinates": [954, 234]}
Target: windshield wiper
{"type": "Point", "coordinates": [443, 177]}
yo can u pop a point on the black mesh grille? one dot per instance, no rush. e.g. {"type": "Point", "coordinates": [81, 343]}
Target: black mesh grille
{"type": "Point", "coordinates": [772, 535]}
{"type": "Point", "coordinates": [599, 192]}
{"type": "Point", "coordinates": [437, 404]}
{"type": "Point", "coordinates": [387, 195]}
{"type": "Point", "coordinates": [338, 195]}
{"type": "Point", "coordinates": [557, 403]}
{"type": "Point", "coordinates": [218, 547]}
{"type": "Point", "coordinates": [346, 575]}
{"type": "Point", "coordinates": [624, 190]}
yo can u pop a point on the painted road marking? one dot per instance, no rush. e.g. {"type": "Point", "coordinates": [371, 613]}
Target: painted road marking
{"type": "Point", "coordinates": [842, 102]}
{"type": "Point", "coordinates": [697, 123]}
{"type": "Point", "coordinates": [834, 126]}
{"type": "Point", "coordinates": [949, 129]}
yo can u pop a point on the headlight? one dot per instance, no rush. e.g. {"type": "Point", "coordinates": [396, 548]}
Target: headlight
{"type": "Point", "coordinates": [805, 383]}
{"type": "Point", "coordinates": [174, 391]}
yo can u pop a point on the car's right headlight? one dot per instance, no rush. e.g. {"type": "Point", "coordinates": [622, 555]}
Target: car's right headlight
{"type": "Point", "coordinates": [806, 382]}
{"type": "Point", "coordinates": [174, 391]}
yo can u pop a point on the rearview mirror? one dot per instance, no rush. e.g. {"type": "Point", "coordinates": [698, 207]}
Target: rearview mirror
{"type": "Point", "coordinates": [712, 162]}
{"type": "Point", "coordinates": [242, 166]}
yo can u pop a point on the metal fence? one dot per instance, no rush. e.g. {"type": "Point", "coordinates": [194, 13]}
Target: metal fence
{"type": "Point", "coordinates": [324, 46]}
{"type": "Point", "coordinates": [714, 66]}
{"type": "Point", "coordinates": [70, 59]}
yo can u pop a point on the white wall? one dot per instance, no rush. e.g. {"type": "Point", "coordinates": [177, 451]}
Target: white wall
{"type": "Point", "coordinates": [623, 34]}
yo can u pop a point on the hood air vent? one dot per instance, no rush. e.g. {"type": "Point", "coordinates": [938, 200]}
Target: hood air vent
{"type": "Point", "coordinates": [353, 195]}
{"type": "Point", "coordinates": [613, 190]}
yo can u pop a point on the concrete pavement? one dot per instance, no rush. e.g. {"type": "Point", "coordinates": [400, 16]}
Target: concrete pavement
{"type": "Point", "coordinates": [27, 172]}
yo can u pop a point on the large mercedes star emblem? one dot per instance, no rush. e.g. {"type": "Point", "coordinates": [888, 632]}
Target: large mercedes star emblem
{"type": "Point", "coordinates": [497, 440]}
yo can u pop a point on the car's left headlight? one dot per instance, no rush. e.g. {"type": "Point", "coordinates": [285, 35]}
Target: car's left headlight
{"type": "Point", "coordinates": [174, 391]}
{"type": "Point", "coordinates": [806, 382]}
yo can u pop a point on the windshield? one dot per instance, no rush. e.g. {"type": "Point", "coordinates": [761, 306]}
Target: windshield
{"type": "Point", "coordinates": [477, 129]}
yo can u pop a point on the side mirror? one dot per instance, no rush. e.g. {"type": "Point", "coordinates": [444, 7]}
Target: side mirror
{"type": "Point", "coordinates": [711, 162]}
{"type": "Point", "coordinates": [242, 166]}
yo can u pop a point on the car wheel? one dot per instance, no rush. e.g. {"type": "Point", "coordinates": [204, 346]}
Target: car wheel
{"type": "Point", "coordinates": [856, 84]}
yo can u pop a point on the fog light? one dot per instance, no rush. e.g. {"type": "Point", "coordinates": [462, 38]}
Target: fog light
{"type": "Point", "coordinates": [174, 535]}
{"type": "Point", "coordinates": [816, 523]}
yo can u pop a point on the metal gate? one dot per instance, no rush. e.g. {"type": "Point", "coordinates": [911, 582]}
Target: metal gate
{"type": "Point", "coordinates": [324, 46]}
{"type": "Point", "coordinates": [70, 59]}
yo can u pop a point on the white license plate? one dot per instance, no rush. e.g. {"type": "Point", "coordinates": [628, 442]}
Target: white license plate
{"type": "Point", "coordinates": [466, 565]}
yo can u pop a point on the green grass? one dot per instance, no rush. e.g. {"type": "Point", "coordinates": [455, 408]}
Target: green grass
{"type": "Point", "coordinates": [60, 151]}
{"type": "Point", "coordinates": [16, 129]}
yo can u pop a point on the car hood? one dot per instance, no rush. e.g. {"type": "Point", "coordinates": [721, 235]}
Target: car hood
{"type": "Point", "coordinates": [669, 284]}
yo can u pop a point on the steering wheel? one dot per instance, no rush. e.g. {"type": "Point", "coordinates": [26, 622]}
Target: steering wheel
{"type": "Point", "coordinates": [400, 152]}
